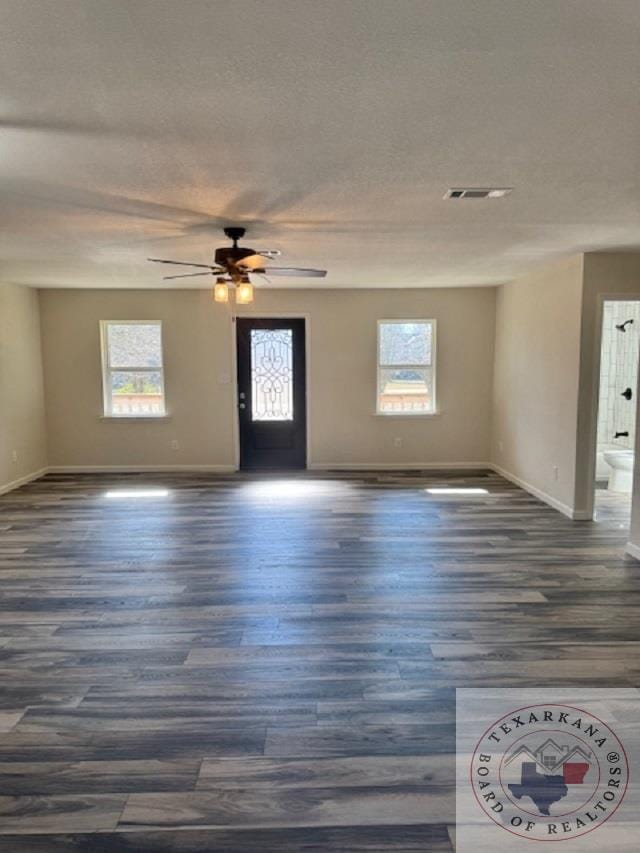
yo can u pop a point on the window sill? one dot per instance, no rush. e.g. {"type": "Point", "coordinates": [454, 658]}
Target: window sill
{"type": "Point", "coordinates": [407, 414]}
{"type": "Point", "coordinates": [129, 418]}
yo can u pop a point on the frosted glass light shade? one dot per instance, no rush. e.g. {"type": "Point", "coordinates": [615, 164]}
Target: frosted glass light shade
{"type": "Point", "coordinates": [221, 292]}
{"type": "Point", "coordinates": [244, 293]}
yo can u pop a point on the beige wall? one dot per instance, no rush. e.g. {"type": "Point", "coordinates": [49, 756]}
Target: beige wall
{"type": "Point", "coordinates": [22, 420]}
{"type": "Point", "coordinates": [195, 350]}
{"type": "Point", "coordinates": [537, 363]}
{"type": "Point", "coordinates": [198, 354]}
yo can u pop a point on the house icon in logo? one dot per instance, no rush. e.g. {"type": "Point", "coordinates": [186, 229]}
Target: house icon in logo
{"type": "Point", "coordinates": [550, 757]}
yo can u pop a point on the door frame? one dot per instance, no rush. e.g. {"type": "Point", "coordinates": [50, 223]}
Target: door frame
{"type": "Point", "coordinates": [590, 433]}
{"type": "Point", "coordinates": [271, 315]}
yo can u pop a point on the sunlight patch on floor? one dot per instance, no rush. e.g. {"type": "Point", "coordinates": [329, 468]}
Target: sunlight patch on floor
{"type": "Point", "coordinates": [458, 490]}
{"type": "Point", "coordinates": [279, 489]}
{"type": "Point", "coordinates": [137, 493]}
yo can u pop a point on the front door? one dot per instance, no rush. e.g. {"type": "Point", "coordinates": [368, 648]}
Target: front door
{"type": "Point", "coordinates": [272, 393]}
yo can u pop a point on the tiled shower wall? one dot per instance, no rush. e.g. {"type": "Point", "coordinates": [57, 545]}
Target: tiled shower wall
{"type": "Point", "coordinates": [618, 370]}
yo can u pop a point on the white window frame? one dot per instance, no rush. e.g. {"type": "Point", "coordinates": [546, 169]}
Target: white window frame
{"type": "Point", "coordinates": [379, 366]}
{"type": "Point", "coordinates": [107, 370]}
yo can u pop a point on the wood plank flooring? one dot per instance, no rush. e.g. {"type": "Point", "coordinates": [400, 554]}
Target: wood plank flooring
{"type": "Point", "coordinates": [269, 662]}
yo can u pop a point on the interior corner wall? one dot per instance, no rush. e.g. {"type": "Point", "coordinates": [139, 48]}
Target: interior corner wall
{"type": "Point", "coordinates": [536, 376]}
{"type": "Point", "coordinates": [197, 335]}
{"type": "Point", "coordinates": [23, 443]}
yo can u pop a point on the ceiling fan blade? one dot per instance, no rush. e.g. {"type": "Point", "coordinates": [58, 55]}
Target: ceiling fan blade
{"type": "Point", "coordinates": [298, 272]}
{"type": "Point", "coordinates": [186, 275]}
{"type": "Point", "coordinates": [262, 275]}
{"type": "Point", "coordinates": [183, 264]}
{"type": "Point", "coordinates": [251, 262]}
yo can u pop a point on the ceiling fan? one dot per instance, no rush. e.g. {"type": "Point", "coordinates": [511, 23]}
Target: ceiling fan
{"type": "Point", "coordinates": [234, 264]}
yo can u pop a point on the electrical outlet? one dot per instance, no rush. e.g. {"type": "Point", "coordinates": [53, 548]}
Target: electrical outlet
{"type": "Point", "coordinates": [175, 444]}
{"type": "Point", "coordinates": [397, 441]}
{"type": "Point", "coordinates": [555, 472]}
{"type": "Point", "coordinates": [14, 456]}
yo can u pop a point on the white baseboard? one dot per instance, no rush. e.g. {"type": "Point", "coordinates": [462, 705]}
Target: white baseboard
{"type": "Point", "coordinates": [312, 466]}
{"type": "Point", "coordinates": [140, 469]}
{"type": "Point", "coordinates": [22, 481]}
{"type": "Point", "coordinates": [399, 466]}
{"type": "Point", "coordinates": [565, 509]}
{"type": "Point", "coordinates": [632, 550]}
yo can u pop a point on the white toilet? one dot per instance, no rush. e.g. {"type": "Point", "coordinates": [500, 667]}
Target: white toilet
{"type": "Point", "coordinates": [621, 464]}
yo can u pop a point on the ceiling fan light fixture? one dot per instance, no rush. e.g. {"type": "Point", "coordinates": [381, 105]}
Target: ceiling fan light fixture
{"type": "Point", "coordinates": [221, 292]}
{"type": "Point", "coordinates": [244, 293]}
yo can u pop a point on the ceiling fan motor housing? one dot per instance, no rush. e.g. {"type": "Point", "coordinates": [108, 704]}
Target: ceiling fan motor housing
{"type": "Point", "coordinates": [227, 256]}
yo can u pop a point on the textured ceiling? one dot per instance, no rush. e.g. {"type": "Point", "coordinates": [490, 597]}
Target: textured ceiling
{"type": "Point", "coordinates": [331, 128]}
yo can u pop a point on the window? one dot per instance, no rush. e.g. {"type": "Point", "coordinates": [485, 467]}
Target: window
{"type": "Point", "coordinates": [406, 367]}
{"type": "Point", "coordinates": [132, 371]}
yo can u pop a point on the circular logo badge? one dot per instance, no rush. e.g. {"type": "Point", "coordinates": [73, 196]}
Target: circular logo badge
{"type": "Point", "coordinates": [549, 772]}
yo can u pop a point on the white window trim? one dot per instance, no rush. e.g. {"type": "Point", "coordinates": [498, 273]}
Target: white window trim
{"type": "Point", "coordinates": [434, 410]}
{"type": "Point", "coordinates": [107, 370]}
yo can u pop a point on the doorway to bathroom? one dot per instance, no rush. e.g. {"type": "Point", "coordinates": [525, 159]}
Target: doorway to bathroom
{"type": "Point", "coordinates": [617, 410]}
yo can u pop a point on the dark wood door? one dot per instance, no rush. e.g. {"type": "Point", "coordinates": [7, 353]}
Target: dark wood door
{"type": "Point", "coordinates": [272, 393]}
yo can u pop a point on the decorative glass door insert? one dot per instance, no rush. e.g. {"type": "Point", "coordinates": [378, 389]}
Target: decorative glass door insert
{"type": "Point", "coordinates": [271, 375]}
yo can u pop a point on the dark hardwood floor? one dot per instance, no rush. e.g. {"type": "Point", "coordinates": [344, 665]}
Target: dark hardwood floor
{"type": "Point", "coordinates": [262, 663]}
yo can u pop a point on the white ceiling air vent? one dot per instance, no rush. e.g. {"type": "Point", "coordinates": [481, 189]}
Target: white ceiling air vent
{"type": "Point", "coordinates": [477, 192]}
